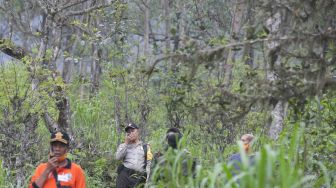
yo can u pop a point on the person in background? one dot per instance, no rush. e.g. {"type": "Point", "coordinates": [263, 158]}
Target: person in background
{"type": "Point", "coordinates": [173, 137]}
{"type": "Point", "coordinates": [165, 162]}
{"type": "Point", "coordinates": [136, 159]}
{"type": "Point", "coordinates": [236, 159]}
{"type": "Point", "coordinates": [59, 171]}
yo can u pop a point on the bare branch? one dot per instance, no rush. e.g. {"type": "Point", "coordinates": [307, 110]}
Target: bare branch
{"type": "Point", "coordinates": [71, 5]}
{"type": "Point", "coordinates": [7, 47]}
{"type": "Point", "coordinates": [88, 10]}
{"type": "Point", "coordinates": [52, 125]}
{"type": "Point", "coordinates": [213, 52]}
{"type": "Point", "coordinates": [43, 7]}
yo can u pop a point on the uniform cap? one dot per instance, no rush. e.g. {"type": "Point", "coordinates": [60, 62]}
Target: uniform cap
{"type": "Point", "coordinates": [60, 136]}
{"type": "Point", "coordinates": [131, 126]}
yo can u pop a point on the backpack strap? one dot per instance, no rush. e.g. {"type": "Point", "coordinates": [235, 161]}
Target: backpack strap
{"type": "Point", "coordinates": [58, 183]}
{"type": "Point", "coordinates": [144, 146]}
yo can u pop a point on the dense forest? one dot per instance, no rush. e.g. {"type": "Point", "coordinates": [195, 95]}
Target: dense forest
{"type": "Point", "coordinates": [215, 69]}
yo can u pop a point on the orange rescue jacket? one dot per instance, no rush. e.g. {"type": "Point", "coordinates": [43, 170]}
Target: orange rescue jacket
{"type": "Point", "coordinates": [71, 176]}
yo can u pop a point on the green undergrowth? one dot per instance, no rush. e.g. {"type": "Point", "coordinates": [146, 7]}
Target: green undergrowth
{"type": "Point", "coordinates": [279, 165]}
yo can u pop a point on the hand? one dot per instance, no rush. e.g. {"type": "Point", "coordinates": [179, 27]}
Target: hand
{"type": "Point", "coordinates": [129, 138]}
{"type": "Point", "coordinates": [52, 163]}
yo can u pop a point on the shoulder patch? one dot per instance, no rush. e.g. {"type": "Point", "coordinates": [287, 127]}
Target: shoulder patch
{"type": "Point", "coordinates": [149, 153]}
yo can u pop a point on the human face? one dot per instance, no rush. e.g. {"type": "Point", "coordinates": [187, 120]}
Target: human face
{"type": "Point", "coordinates": [59, 149]}
{"type": "Point", "coordinates": [245, 139]}
{"type": "Point", "coordinates": [132, 134]}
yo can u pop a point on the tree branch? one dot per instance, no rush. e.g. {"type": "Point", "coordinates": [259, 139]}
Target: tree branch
{"type": "Point", "coordinates": [65, 6]}
{"type": "Point", "coordinates": [8, 48]}
{"type": "Point", "coordinates": [52, 125]}
{"type": "Point", "coordinates": [213, 53]}
{"type": "Point", "coordinates": [88, 10]}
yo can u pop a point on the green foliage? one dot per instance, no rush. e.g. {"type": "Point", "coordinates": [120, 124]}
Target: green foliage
{"type": "Point", "coordinates": [3, 176]}
{"type": "Point", "coordinates": [246, 79]}
{"type": "Point", "coordinates": [218, 41]}
{"type": "Point", "coordinates": [92, 120]}
{"type": "Point", "coordinates": [319, 135]}
{"type": "Point", "coordinates": [274, 166]}
{"type": "Point", "coordinates": [21, 105]}
{"type": "Point", "coordinates": [212, 96]}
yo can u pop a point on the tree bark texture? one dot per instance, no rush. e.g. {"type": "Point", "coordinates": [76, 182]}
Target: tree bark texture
{"type": "Point", "coordinates": [236, 24]}
{"type": "Point", "coordinates": [248, 52]}
{"type": "Point", "coordinates": [279, 111]}
{"type": "Point", "coordinates": [95, 70]}
{"type": "Point", "coordinates": [278, 115]}
{"type": "Point", "coordinates": [146, 28]}
{"type": "Point", "coordinates": [166, 11]}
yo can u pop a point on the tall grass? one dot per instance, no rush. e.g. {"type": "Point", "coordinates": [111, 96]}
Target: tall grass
{"type": "Point", "coordinates": [4, 181]}
{"type": "Point", "coordinates": [2, 175]}
{"type": "Point", "coordinates": [277, 166]}
{"type": "Point", "coordinates": [97, 135]}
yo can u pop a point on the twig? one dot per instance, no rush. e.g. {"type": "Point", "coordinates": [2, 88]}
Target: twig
{"type": "Point", "coordinates": [71, 5]}
{"type": "Point", "coordinates": [209, 52]}
{"type": "Point", "coordinates": [81, 12]}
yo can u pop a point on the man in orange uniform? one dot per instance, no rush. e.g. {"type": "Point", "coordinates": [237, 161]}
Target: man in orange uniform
{"type": "Point", "coordinates": [58, 172]}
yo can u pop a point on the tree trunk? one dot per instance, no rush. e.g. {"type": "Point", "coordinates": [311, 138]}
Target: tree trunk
{"type": "Point", "coordinates": [69, 61]}
{"type": "Point", "coordinates": [95, 70]}
{"type": "Point", "coordinates": [66, 72]}
{"type": "Point", "coordinates": [82, 79]}
{"type": "Point", "coordinates": [117, 119]}
{"type": "Point", "coordinates": [237, 18]}
{"type": "Point", "coordinates": [248, 53]}
{"type": "Point", "coordinates": [278, 116]}
{"type": "Point", "coordinates": [38, 22]}
{"type": "Point", "coordinates": [146, 29]}
{"type": "Point", "coordinates": [178, 26]}
{"type": "Point", "coordinates": [30, 125]}
{"type": "Point", "coordinates": [236, 24]}
{"type": "Point", "coordinates": [166, 11]}
{"type": "Point", "coordinates": [279, 111]}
